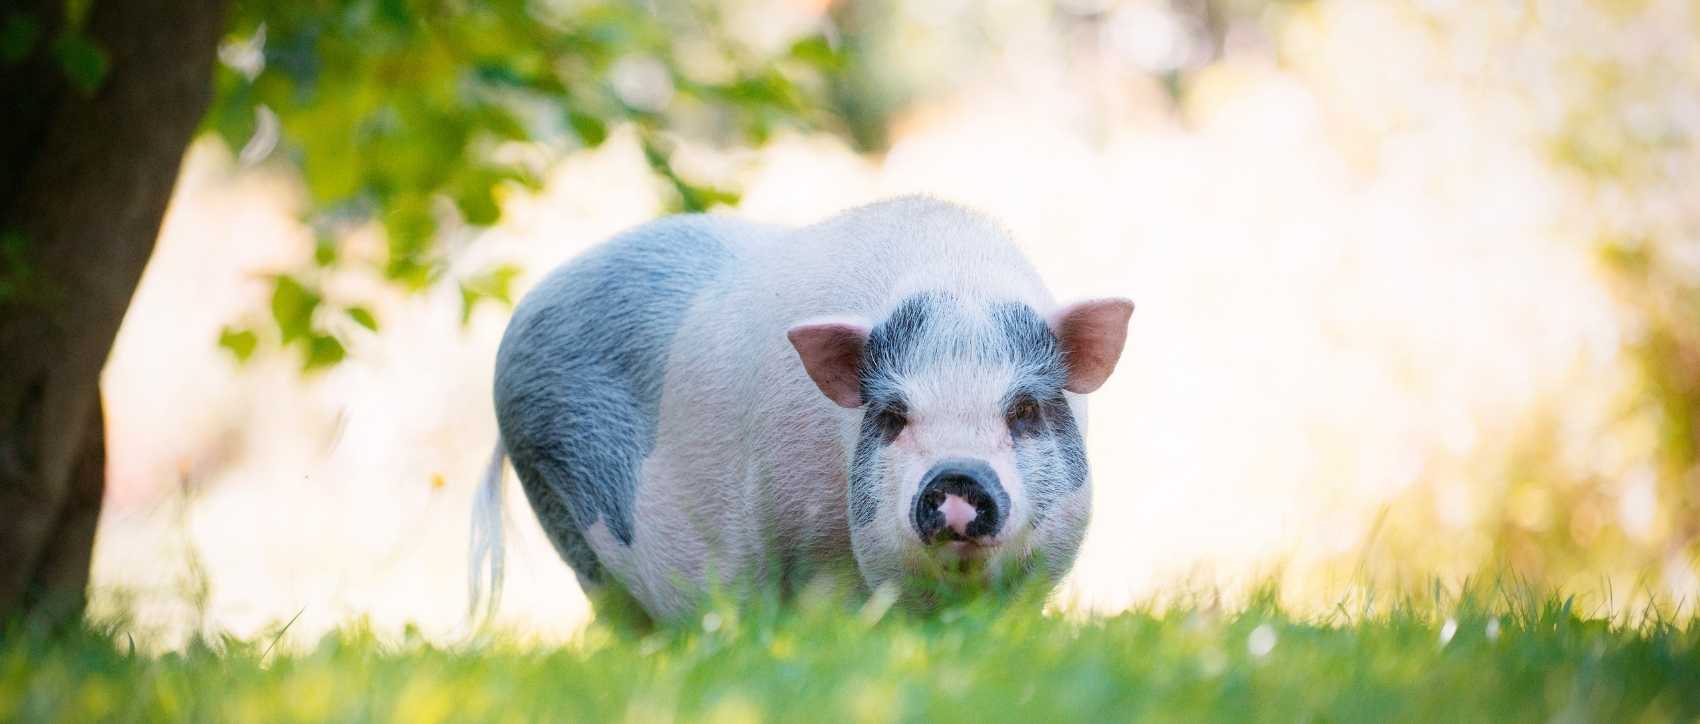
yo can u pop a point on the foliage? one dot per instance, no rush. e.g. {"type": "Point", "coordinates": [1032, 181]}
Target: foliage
{"type": "Point", "coordinates": [1666, 352]}
{"type": "Point", "coordinates": [1496, 657]}
{"type": "Point", "coordinates": [82, 61]}
{"type": "Point", "coordinates": [1628, 137]}
{"type": "Point", "coordinates": [420, 115]}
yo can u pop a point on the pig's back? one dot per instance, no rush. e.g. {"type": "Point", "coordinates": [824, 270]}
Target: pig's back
{"type": "Point", "coordinates": [580, 371]}
{"type": "Point", "coordinates": [863, 261]}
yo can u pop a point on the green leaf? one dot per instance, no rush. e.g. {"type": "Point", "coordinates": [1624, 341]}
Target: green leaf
{"type": "Point", "coordinates": [363, 317]}
{"type": "Point", "coordinates": [323, 351]}
{"type": "Point", "coordinates": [17, 37]}
{"type": "Point", "coordinates": [411, 228]}
{"type": "Point", "coordinates": [495, 283]}
{"type": "Point", "coordinates": [324, 250]}
{"type": "Point", "coordinates": [240, 342]}
{"type": "Point", "coordinates": [292, 307]}
{"type": "Point", "coordinates": [591, 130]}
{"type": "Point", "coordinates": [479, 207]}
{"type": "Point", "coordinates": [763, 90]}
{"type": "Point", "coordinates": [331, 167]}
{"type": "Point", "coordinates": [412, 273]}
{"type": "Point", "coordinates": [499, 122]}
{"type": "Point", "coordinates": [232, 117]}
{"type": "Point", "coordinates": [468, 299]}
{"type": "Point", "coordinates": [84, 63]}
{"type": "Point", "coordinates": [476, 199]}
{"type": "Point", "coordinates": [77, 12]}
{"type": "Point", "coordinates": [817, 53]}
{"type": "Point", "coordinates": [699, 197]}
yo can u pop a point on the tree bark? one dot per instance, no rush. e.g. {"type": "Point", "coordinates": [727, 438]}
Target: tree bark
{"type": "Point", "coordinates": [85, 187]}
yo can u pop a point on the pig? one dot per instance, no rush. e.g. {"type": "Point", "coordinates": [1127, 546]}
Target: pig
{"type": "Point", "coordinates": [886, 399]}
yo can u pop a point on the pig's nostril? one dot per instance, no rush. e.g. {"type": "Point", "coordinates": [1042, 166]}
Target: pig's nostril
{"type": "Point", "coordinates": [933, 498]}
{"type": "Point", "coordinates": [976, 511]}
{"type": "Point", "coordinates": [928, 519]}
{"type": "Point", "coordinates": [987, 518]}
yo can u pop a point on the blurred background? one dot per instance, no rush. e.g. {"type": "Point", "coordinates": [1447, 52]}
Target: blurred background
{"type": "Point", "coordinates": [1418, 281]}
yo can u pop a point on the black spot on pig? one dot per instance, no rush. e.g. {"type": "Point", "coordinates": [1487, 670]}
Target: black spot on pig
{"type": "Point", "coordinates": [579, 376]}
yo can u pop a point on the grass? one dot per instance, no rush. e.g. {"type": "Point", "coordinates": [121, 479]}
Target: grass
{"type": "Point", "coordinates": [1538, 660]}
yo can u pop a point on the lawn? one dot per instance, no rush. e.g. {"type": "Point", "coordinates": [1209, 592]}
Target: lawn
{"type": "Point", "coordinates": [1539, 660]}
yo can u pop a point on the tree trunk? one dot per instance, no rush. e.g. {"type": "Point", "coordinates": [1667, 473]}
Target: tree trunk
{"type": "Point", "coordinates": [84, 186]}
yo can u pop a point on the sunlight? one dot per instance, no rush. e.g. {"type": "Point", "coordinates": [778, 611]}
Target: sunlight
{"type": "Point", "coordinates": [1358, 289]}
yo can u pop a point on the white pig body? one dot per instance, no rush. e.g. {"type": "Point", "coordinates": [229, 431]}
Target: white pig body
{"type": "Point", "coordinates": [670, 439]}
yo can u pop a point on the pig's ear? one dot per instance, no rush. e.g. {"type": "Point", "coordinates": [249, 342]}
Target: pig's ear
{"type": "Point", "coordinates": [1092, 334]}
{"type": "Point", "coordinates": [831, 350]}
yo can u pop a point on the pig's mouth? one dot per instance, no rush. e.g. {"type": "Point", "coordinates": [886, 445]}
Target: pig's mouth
{"type": "Point", "coordinates": [962, 559]}
{"type": "Point", "coordinates": [956, 571]}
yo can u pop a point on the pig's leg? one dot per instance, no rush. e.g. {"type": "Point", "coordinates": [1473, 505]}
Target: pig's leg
{"type": "Point", "coordinates": [616, 606]}
{"type": "Point", "coordinates": [575, 441]}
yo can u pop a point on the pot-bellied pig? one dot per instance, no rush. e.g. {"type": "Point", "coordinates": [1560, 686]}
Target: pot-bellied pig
{"type": "Point", "coordinates": [889, 397]}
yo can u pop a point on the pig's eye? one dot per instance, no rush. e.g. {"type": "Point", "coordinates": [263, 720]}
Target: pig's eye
{"type": "Point", "coordinates": [1024, 417]}
{"type": "Point", "coordinates": [891, 421]}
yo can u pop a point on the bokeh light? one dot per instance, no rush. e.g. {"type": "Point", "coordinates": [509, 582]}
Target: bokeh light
{"type": "Point", "coordinates": [1383, 334]}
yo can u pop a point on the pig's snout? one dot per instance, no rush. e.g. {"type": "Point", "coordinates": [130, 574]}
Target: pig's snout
{"type": "Point", "coordinates": [960, 500]}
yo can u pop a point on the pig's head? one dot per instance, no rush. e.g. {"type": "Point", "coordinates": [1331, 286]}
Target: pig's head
{"type": "Point", "coordinates": [968, 467]}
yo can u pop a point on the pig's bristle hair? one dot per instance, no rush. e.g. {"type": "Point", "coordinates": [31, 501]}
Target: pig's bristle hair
{"type": "Point", "coordinates": [946, 352]}
{"type": "Point", "coordinates": [938, 333]}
